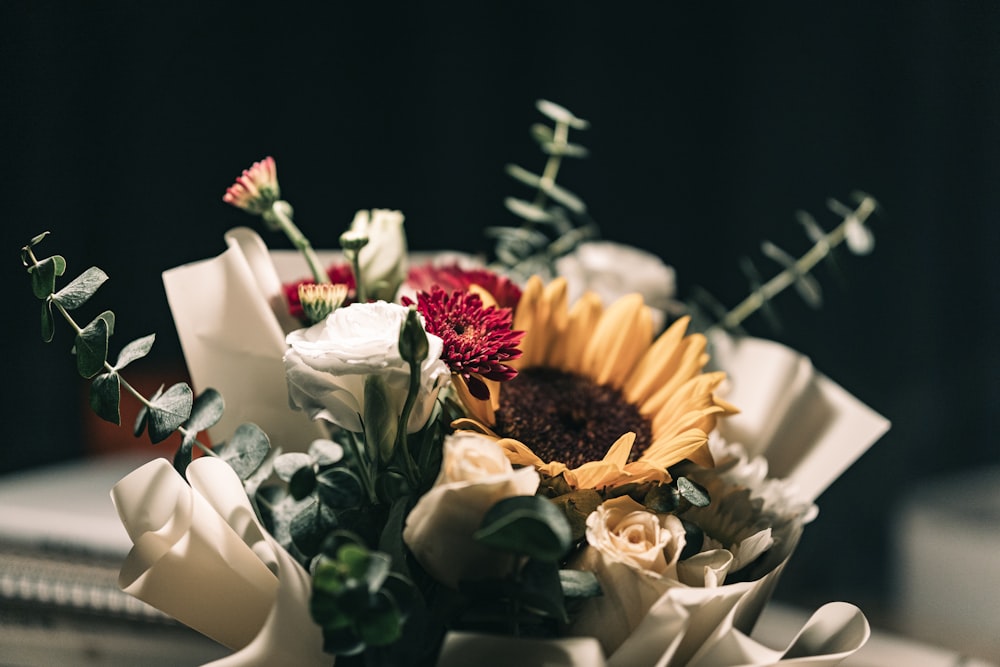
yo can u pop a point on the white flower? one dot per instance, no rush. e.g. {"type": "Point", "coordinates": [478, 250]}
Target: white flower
{"type": "Point", "coordinates": [383, 259]}
{"type": "Point", "coordinates": [626, 532]}
{"type": "Point", "coordinates": [326, 366]}
{"type": "Point", "coordinates": [475, 475]}
{"type": "Point", "coordinates": [612, 270]}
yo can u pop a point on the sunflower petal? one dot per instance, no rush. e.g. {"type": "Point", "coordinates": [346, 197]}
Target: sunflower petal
{"type": "Point", "coordinates": [658, 364]}
{"type": "Point", "coordinates": [622, 336]}
{"type": "Point", "coordinates": [583, 317]}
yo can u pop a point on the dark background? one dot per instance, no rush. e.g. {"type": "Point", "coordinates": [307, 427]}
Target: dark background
{"type": "Point", "coordinates": [124, 122]}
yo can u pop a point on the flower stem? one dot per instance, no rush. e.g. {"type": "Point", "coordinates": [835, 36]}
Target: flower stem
{"type": "Point", "coordinates": [279, 211]}
{"type": "Point", "coordinates": [402, 444]}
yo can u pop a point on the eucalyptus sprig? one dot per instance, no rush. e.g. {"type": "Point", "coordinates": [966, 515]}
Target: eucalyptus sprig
{"type": "Point", "coordinates": [548, 230]}
{"type": "Point", "coordinates": [168, 410]}
{"type": "Point", "coordinates": [852, 231]}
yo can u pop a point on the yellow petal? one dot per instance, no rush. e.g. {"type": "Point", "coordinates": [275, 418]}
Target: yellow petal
{"type": "Point", "coordinates": [686, 364]}
{"type": "Point", "coordinates": [658, 364]}
{"type": "Point", "coordinates": [622, 336]}
{"type": "Point", "coordinates": [583, 317]}
{"type": "Point", "coordinates": [483, 410]}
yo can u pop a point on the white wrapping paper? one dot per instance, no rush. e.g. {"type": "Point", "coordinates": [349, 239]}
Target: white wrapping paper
{"type": "Point", "coordinates": [231, 318]}
{"type": "Point", "coordinates": [808, 427]}
{"type": "Point", "coordinates": [200, 555]}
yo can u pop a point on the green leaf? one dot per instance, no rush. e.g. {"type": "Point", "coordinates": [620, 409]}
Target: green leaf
{"type": "Point", "coordinates": [310, 526]}
{"type": "Point", "coordinates": [135, 350]}
{"type": "Point", "coordinates": [169, 411]}
{"type": "Point", "coordinates": [286, 465]}
{"type": "Point", "coordinates": [380, 420]}
{"type": "Point", "coordinates": [183, 456]}
{"type": "Point", "coordinates": [206, 411]}
{"type": "Point", "coordinates": [92, 347]}
{"type": "Point", "coordinates": [325, 452]}
{"type": "Point", "coordinates": [43, 275]}
{"type": "Point", "coordinates": [661, 499]}
{"type": "Point", "coordinates": [541, 589]}
{"type": "Point", "coordinates": [579, 584]}
{"type": "Point", "coordinates": [341, 641]}
{"type": "Point", "coordinates": [246, 449]}
{"type": "Point", "coordinates": [339, 488]}
{"type": "Point", "coordinates": [527, 525]}
{"type": "Point", "coordinates": [302, 483]}
{"type": "Point", "coordinates": [80, 289]}
{"type": "Point", "coordinates": [35, 240]}
{"type": "Point", "coordinates": [692, 492]}
{"type": "Point", "coordinates": [380, 624]}
{"type": "Point", "coordinates": [105, 397]}
{"type": "Point", "coordinates": [48, 323]}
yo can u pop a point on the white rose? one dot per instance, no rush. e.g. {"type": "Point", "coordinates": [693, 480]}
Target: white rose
{"type": "Point", "coordinates": [383, 259]}
{"type": "Point", "coordinates": [327, 363]}
{"type": "Point", "coordinates": [633, 553]}
{"type": "Point", "coordinates": [475, 475]}
{"type": "Point", "coordinates": [612, 270]}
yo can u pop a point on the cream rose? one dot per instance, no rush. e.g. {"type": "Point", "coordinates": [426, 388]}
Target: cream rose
{"type": "Point", "coordinates": [626, 532]}
{"type": "Point", "coordinates": [633, 553]}
{"type": "Point", "coordinates": [326, 365]}
{"type": "Point", "coordinates": [383, 259]}
{"type": "Point", "coordinates": [475, 475]}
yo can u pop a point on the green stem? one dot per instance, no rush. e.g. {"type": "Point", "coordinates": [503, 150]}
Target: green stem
{"type": "Point", "coordinates": [359, 284]}
{"type": "Point", "coordinates": [402, 443]}
{"type": "Point", "coordinates": [559, 138]}
{"type": "Point", "coordinates": [299, 240]}
{"type": "Point", "coordinates": [367, 477]}
{"type": "Point", "coordinates": [813, 256]}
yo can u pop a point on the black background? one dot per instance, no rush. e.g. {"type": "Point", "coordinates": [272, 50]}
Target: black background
{"type": "Point", "coordinates": [124, 122]}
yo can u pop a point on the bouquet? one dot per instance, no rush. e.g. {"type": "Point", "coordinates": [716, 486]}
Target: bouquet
{"type": "Point", "coordinates": [403, 459]}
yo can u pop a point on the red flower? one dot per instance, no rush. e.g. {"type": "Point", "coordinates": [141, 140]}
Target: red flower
{"type": "Point", "coordinates": [340, 274]}
{"type": "Point", "coordinates": [477, 340]}
{"type": "Point", "coordinates": [452, 277]}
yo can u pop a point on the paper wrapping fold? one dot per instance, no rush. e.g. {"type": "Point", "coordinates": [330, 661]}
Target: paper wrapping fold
{"type": "Point", "coordinates": [808, 427]}
{"type": "Point", "coordinates": [834, 632]}
{"type": "Point", "coordinates": [231, 318]}
{"type": "Point", "coordinates": [200, 556]}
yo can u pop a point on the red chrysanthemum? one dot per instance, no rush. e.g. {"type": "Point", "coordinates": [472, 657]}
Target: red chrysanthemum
{"type": "Point", "coordinates": [477, 339]}
{"type": "Point", "coordinates": [452, 277]}
{"type": "Point", "coordinates": [340, 274]}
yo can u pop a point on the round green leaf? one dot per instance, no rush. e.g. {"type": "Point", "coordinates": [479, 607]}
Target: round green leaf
{"type": "Point", "coordinates": [105, 397]}
{"type": "Point", "coordinates": [80, 289]}
{"type": "Point", "coordinates": [527, 525]}
{"type": "Point", "coordinates": [169, 411]}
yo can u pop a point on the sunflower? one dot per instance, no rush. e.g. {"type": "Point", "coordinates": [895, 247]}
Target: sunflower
{"type": "Point", "coordinates": [597, 399]}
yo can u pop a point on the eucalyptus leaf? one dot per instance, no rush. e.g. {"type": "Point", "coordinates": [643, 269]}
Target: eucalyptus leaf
{"type": "Point", "coordinates": [92, 347]}
{"type": "Point", "coordinates": [561, 114]}
{"type": "Point", "coordinates": [692, 492]}
{"type": "Point", "coordinates": [206, 411]}
{"type": "Point", "coordinates": [80, 289]}
{"type": "Point", "coordinates": [579, 584]}
{"type": "Point", "coordinates": [309, 527]}
{"type": "Point", "coordinates": [142, 418]}
{"type": "Point", "coordinates": [325, 452]}
{"type": "Point", "coordinates": [541, 133]}
{"type": "Point", "coordinates": [302, 483]}
{"type": "Point", "coordinates": [183, 456]}
{"type": "Point", "coordinates": [527, 210]}
{"type": "Point", "coordinates": [286, 465]}
{"type": "Point", "coordinates": [246, 449]}
{"type": "Point", "coordinates": [105, 397]}
{"type": "Point", "coordinates": [565, 150]}
{"type": "Point", "coordinates": [527, 525]}
{"type": "Point", "coordinates": [566, 198]}
{"type": "Point", "coordinates": [380, 624]}
{"type": "Point", "coordinates": [137, 349]}
{"type": "Point", "coordinates": [341, 641]}
{"type": "Point", "coordinates": [43, 275]}
{"type": "Point", "coordinates": [169, 411]}
{"type": "Point", "coordinates": [38, 238]}
{"type": "Point", "coordinates": [48, 323]}
{"type": "Point", "coordinates": [522, 175]}
{"type": "Point", "coordinates": [339, 488]}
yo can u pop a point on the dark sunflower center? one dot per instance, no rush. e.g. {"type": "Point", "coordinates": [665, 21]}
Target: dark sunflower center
{"type": "Point", "coordinates": [566, 417]}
